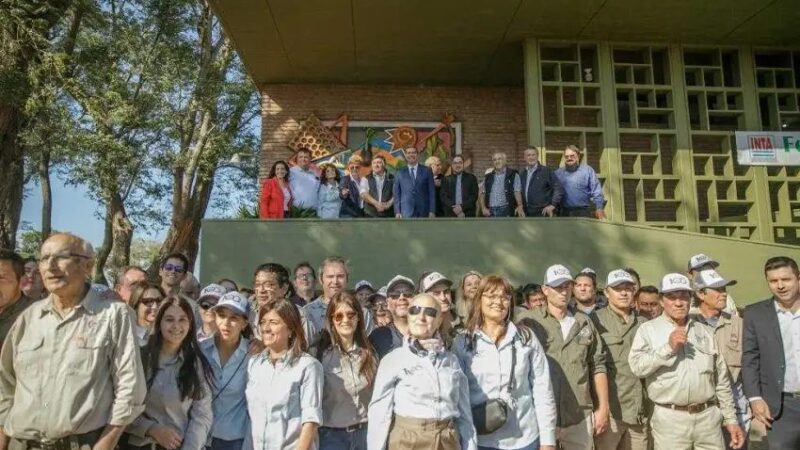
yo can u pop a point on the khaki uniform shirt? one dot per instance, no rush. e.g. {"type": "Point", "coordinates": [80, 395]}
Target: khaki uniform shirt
{"type": "Point", "coordinates": [694, 374]}
{"type": "Point", "coordinates": [728, 336]}
{"type": "Point", "coordinates": [346, 393]}
{"type": "Point", "coordinates": [573, 361]}
{"type": "Point", "coordinates": [71, 375]}
{"type": "Point", "coordinates": [10, 314]}
{"type": "Point", "coordinates": [626, 395]}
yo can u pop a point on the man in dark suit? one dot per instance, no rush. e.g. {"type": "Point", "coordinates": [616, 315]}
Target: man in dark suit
{"type": "Point", "coordinates": [414, 191]}
{"type": "Point", "coordinates": [541, 190]}
{"type": "Point", "coordinates": [376, 190]}
{"type": "Point", "coordinates": [771, 355]}
{"type": "Point", "coordinates": [459, 193]}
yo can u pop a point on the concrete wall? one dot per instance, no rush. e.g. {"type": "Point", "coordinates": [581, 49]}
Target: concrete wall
{"type": "Point", "coordinates": [518, 249]}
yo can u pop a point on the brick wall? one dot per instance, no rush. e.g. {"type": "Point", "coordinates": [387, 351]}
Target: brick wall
{"type": "Point", "coordinates": [492, 118]}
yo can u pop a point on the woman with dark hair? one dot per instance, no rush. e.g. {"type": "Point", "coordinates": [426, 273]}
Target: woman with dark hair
{"type": "Point", "coordinates": [177, 413]}
{"type": "Point", "coordinates": [146, 297]}
{"type": "Point", "coordinates": [506, 367]}
{"type": "Point", "coordinates": [284, 384]}
{"type": "Point", "coordinates": [228, 284]}
{"type": "Point", "coordinates": [227, 353]}
{"type": "Point", "coordinates": [421, 395]}
{"type": "Point", "coordinates": [329, 202]}
{"type": "Point", "coordinates": [349, 364]}
{"type": "Point", "coordinates": [276, 195]}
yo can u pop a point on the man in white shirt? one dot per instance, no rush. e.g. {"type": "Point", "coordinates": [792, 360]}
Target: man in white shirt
{"type": "Point", "coordinates": [376, 190]}
{"type": "Point", "coordinates": [303, 182]}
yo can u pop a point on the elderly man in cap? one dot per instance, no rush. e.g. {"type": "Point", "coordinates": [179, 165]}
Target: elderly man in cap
{"type": "Point", "coordinates": [576, 358]}
{"type": "Point", "coordinates": [441, 288]}
{"type": "Point", "coordinates": [685, 376]}
{"type": "Point", "coordinates": [700, 262]}
{"type": "Point", "coordinates": [617, 325]}
{"type": "Point", "coordinates": [379, 308]}
{"type": "Point", "coordinates": [363, 290]}
{"type": "Point", "coordinates": [70, 372]}
{"type": "Point", "coordinates": [209, 297]}
{"type": "Point", "coordinates": [711, 292]}
{"type": "Point", "coordinates": [399, 292]}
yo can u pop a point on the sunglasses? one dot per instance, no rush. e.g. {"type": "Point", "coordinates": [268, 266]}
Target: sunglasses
{"type": "Point", "coordinates": [207, 304]}
{"type": "Point", "coordinates": [173, 268]}
{"type": "Point", "coordinates": [339, 316]}
{"type": "Point", "coordinates": [396, 294]}
{"type": "Point", "coordinates": [427, 310]}
{"type": "Point", "coordinates": [150, 301]}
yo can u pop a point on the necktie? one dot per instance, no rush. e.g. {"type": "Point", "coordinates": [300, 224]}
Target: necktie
{"type": "Point", "coordinates": [414, 173]}
{"type": "Point", "coordinates": [458, 189]}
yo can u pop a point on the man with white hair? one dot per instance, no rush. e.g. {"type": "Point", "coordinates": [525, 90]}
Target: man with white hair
{"type": "Point", "coordinates": [501, 191]}
{"type": "Point", "coordinates": [70, 372]}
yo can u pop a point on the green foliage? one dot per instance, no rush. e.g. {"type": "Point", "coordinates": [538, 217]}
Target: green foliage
{"type": "Point", "coordinates": [301, 213]}
{"type": "Point", "coordinates": [29, 242]}
{"type": "Point", "coordinates": [247, 212]}
{"type": "Point", "coordinates": [143, 252]}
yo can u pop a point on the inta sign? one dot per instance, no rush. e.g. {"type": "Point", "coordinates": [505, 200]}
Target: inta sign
{"type": "Point", "coordinates": [766, 148]}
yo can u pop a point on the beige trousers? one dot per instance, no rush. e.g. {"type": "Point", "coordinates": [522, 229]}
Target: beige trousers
{"type": "Point", "coordinates": [578, 436]}
{"type": "Point", "coordinates": [420, 434]}
{"type": "Point", "coordinates": [679, 430]}
{"type": "Point", "coordinates": [623, 436]}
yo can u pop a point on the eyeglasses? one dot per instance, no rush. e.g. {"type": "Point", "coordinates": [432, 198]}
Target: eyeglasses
{"type": "Point", "coordinates": [207, 304]}
{"type": "Point", "coordinates": [339, 316]}
{"type": "Point", "coordinates": [59, 258]}
{"type": "Point", "coordinates": [427, 310]}
{"type": "Point", "coordinates": [377, 306]}
{"type": "Point", "coordinates": [173, 268]}
{"type": "Point", "coordinates": [267, 285]}
{"type": "Point", "coordinates": [396, 294]}
{"type": "Point", "coordinates": [150, 301]}
{"type": "Point", "coordinates": [304, 276]}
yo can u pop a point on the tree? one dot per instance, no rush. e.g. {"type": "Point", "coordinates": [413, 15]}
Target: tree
{"type": "Point", "coordinates": [25, 37]}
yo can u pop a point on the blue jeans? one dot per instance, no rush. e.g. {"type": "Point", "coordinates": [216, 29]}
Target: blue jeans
{"type": "Point", "coordinates": [500, 211]}
{"type": "Point", "coordinates": [220, 444]}
{"type": "Point", "coordinates": [341, 439]}
{"type": "Point", "coordinates": [534, 446]}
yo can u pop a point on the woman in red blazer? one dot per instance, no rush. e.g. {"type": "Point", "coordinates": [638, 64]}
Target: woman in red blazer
{"type": "Point", "coordinates": [276, 196]}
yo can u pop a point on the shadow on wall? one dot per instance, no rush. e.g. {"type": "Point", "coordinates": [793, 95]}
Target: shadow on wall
{"type": "Point", "coordinates": [520, 249]}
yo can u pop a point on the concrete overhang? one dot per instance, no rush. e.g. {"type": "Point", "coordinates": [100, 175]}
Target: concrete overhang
{"type": "Point", "coordinates": [472, 42]}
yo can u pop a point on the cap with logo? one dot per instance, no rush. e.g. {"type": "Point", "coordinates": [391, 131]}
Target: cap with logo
{"type": "Point", "coordinates": [617, 277]}
{"type": "Point", "coordinates": [700, 260]}
{"type": "Point", "coordinates": [710, 278]}
{"type": "Point", "coordinates": [398, 280]}
{"type": "Point", "coordinates": [432, 279]}
{"type": "Point", "coordinates": [235, 301]}
{"type": "Point", "coordinates": [557, 275]}
{"type": "Point", "coordinates": [674, 282]}
{"type": "Point", "coordinates": [212, 290]}
{"type": "Point", "coordinates": [364, 284]}
{"type": "Point", "coordinates": [379, 295]}
{"type": "Point", "coordinates": [588, 270]}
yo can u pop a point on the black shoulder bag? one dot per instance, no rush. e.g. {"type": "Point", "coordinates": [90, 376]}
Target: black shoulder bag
{"type": "Point", "coordinates": [491, 415]}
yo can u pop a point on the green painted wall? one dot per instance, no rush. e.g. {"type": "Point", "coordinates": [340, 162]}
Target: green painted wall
{"type": "Point", "coordinates": [519, 249]}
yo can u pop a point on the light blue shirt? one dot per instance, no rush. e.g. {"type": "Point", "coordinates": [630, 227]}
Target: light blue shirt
{"type": "Point", "coordinates": [488, 366]}
{"type": "Point", "coordinates": [314, 313]}
{"type": "Point", "coordinates": [497, 195]}
{"type": "Point", "coordinates": [230, 406]}
{"type": "Point", "coordinates": [328, 201]}
{"type": "Point", "coordinates": [304, 185]}
{"type": "Point", "coordinates": [581, 187]}
{"type": "Point", "coordinates": [281, 398]}
{"type": "Point", "coordinates": [790, 335]}
{"type": "Point", "coordinates": [421, 387]}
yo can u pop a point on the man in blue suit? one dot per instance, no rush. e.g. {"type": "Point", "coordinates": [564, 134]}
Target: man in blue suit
{"type": "Point", "coordinates": [414, 190]}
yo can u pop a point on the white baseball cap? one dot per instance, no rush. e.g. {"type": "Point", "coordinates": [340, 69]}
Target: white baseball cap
{"type": "Point", "coordinates": [380, 293]}
{"type": "Point", "coordinates": [673, 282]}
{"type": "Point", "coordinates": [235, 301]}
{"type": "Point", "coordinates": [432, 278]}
{"type": "Point", "coordinates": [213, 290]}
{"type": "Point", "coordinates": [399, 279]}
{"type": "Point", "coordinates": [701, 259]}
{"type": "Point", "coordinates": [617, 277]}
{"type": "Point", "coordinates": [709, 278]}
{"type": "Point", "coordinates": [588, 270]}
{"type": "Point", "coordinates": [557, 275]}
{"type": "Point", "coordinates": [362, 284]}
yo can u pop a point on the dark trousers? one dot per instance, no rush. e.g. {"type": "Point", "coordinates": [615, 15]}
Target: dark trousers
{"type": "Point", "coordinates": [221, 444]}
{"type": "Point", "coordinates": [534, 211]}
{"type": "Point", "coordinates": [582, 211]}
{"type": "Point", "coordinates": [785, 432]}
{"type": "Point", "coordinates": [500, 211]}
{"type": "Point", "coordinates": [84, 441]}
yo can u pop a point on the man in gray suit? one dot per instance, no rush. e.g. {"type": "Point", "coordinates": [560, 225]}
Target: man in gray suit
{"type": "Point", "coordinates": [771, 355]}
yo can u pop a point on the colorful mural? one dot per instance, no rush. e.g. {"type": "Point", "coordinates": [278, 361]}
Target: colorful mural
{"type": "Point", "coordinates": [339, 140]}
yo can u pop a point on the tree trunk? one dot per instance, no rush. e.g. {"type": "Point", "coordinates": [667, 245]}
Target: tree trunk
{"type": "Point", "coordinates": [101, 256]}
{"type": "Point", "coordinates": [47, 194]}
{"type": "Point", "coordinates": [122, 229]}
{"type": "Point", "coordinates": [184, 231]}
{"type": "Point", "coordinates": [12, 174]}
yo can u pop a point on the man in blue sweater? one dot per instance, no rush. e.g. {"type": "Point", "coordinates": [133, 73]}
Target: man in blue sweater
{"type": "Point", "coordinates": [583, 194]}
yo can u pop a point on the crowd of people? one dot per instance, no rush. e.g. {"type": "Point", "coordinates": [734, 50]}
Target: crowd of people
{"type": "Point", "coordinates": [423, 190]}
{"type": "Point", "coordinates": [299, 361]}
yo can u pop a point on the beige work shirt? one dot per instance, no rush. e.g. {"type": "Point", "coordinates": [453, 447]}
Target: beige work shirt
{"type": "Point", "coordinates": [70, 375]}
{"type": "Point", "coordinates": [626, 396]}
{"type": "Point", "coordinates": [689, 376]}
{"type": "Point", "coordinates": [728, 336]}
{"type": "Point", "coordinates": [572, 361]}
{"type": "Point", "coordinates": [346, 393]}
